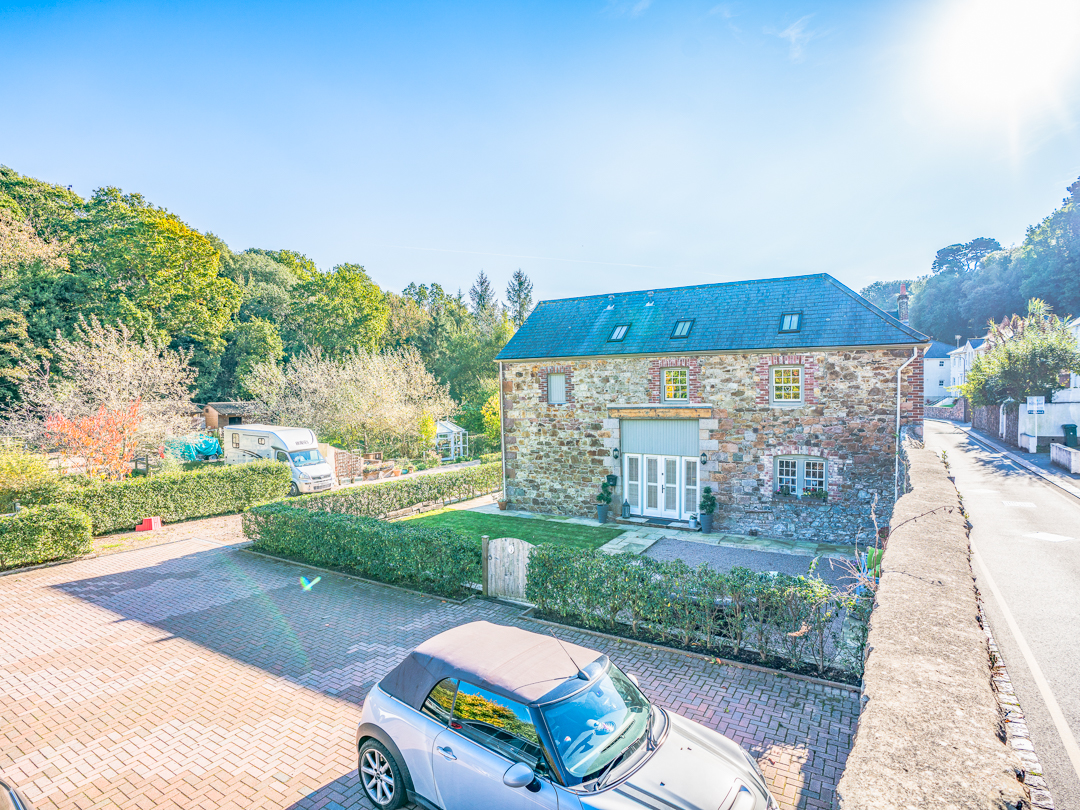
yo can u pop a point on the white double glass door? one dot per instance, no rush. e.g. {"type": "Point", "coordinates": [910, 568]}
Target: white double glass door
{"type": "Point", "coordinates": [661, 486]}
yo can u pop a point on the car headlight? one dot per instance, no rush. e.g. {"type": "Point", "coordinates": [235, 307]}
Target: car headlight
{"type": "Point", "coordinates": [305, 477]}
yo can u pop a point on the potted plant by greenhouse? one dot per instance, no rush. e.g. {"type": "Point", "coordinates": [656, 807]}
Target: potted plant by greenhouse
{"type": "Point", "coordinates": [603, 501]}
{"type": "Point", "coordinates": [706, 507]}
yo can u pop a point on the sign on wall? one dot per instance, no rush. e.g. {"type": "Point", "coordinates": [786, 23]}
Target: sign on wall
{"type": "Point", "coordinates": [1036, 405]}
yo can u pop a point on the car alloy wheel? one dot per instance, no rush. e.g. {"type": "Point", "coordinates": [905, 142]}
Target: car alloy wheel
{"type": "Point", "coordinates": [379, 776]}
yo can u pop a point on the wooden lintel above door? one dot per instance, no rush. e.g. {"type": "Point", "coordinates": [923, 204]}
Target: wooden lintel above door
{"type": "Point", "coordinates": [660, 412]}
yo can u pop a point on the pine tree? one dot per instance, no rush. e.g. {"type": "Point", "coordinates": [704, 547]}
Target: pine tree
{"type": "Point", "coordinates": [519, 298]}
{"type": "Point", "coordinates": [482, 296]}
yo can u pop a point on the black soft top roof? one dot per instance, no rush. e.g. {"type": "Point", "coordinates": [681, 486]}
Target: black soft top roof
{"type": "Point", "coordinates": [507, 661]}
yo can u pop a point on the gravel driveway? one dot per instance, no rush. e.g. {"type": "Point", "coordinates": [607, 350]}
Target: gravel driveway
{"type": "Point", "coordinates": [724, 558]}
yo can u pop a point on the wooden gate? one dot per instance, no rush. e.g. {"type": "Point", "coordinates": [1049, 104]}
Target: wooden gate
{"type": "Point", "coordinates": [506, 567]}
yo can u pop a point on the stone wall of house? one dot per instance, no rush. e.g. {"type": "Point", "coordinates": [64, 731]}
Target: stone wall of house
{"type": "Point", "coordinates": [557, 455]}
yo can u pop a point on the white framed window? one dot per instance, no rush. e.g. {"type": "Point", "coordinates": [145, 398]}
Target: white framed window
{"type": "Point", "coordinates": [786, 385]}
{"type": "Point", "coordinates": [941, 363]}
{"type": "Point", "coordinates": [556, 389]}
{"type": "Point", "coordinates": [677, 384]}
{"type": "Point", "coordinates": [801, 477]}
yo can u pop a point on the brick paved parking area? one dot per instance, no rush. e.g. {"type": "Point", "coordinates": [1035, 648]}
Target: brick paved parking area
{"type": "Point", "coordinates": [195, 675]}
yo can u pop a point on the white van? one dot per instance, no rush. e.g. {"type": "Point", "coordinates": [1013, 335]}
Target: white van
{"type": "Point", "coordinates": [297, 447]}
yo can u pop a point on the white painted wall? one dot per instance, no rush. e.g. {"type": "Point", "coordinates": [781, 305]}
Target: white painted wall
{"type": "Point", "coordinates": [1057, 414]}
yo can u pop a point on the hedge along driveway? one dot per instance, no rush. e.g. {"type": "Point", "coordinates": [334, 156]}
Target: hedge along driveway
{"type": "Point", "coordinates": [121, 505]}
{"type": "Point", "coordinates": [42, 534]}
{"type": "Point", "coordinates": [384, 500]}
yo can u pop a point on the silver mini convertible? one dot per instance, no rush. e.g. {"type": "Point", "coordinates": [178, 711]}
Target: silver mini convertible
{"type": "Point", "coordinates": [487, 717]}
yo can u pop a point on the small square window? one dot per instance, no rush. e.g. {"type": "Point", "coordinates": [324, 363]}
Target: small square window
{"type": "Point", "coordinates": [676, 385]}
{"type": "Point", "coordinates": [941, 382]}
{"type": "Point", "coordinates": [941, 362]}
{"type": "Point", "coordinates": [682, 329]}
{"type": "Point", "coordinates": [262, 440]}
{"type": "Point", "coordinates": [619, 332]}
{"type": "Point", "coordinates": [236, 440]}
{"type": "Point", "coordinates": [786, 385]}
{"type": "Point", "coordinates": [791, 322]}
{"type": "Point", "coordinates": [556, 389]}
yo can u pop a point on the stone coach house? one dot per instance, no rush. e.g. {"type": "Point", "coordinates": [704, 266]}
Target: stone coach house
{"type": "Point", "coordinates": [781, 394]}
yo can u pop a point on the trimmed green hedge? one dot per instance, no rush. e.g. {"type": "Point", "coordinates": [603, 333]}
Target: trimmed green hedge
{"type": "Point", "coordinates": [379, 500]}
{"type": "Point", "coordinates": [43, 533]}
{"type": "Point", "coordinates": [789, 621]}
{"type": "Point", "coordinates": [436, 561]}
{"type": "Point", "coordinates": [121, 505]}
{"type": "Point", "coordinates": [491, 458]}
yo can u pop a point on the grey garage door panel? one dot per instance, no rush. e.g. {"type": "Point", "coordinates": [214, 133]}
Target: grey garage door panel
{"type": "Point", "coordinates": [661, 437]}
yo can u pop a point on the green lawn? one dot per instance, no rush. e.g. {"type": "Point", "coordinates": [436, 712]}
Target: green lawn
{"type": "Point", "coordinates": [531, 530]}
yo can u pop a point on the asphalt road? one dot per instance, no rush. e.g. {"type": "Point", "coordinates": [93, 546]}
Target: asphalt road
{"type": "Point", "coordinates": [1026, 532]}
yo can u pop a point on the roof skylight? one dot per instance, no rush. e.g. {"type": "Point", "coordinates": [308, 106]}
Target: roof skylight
{"type": "Point", "coordinates": [682, 329]}
{"type": "Point", "coordinates": [619, 332]}
{"type": "Point", "coordinates": [791, 322]}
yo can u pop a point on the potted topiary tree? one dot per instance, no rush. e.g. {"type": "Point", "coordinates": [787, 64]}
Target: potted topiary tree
{"type": "Point", "coordinates": [603, 501]}
{"type": "Point", "coordinates": [706, 507]}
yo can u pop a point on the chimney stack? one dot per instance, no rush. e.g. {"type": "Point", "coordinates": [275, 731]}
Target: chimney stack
{"type": "Point", "coordinates": [902, 305]}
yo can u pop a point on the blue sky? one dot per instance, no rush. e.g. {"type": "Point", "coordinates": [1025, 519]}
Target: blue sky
{"type": "Point", "coordinates": [597, 145]}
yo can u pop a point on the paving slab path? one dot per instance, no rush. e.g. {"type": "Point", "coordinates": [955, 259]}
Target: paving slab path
{"type": "Point", "coordinates": [196, 674]}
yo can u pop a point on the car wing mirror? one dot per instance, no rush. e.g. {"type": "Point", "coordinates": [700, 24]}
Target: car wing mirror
{"type": "Point", "coordinates": [519, 775]}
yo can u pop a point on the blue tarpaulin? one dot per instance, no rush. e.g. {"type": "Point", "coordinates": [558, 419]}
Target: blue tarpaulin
{"type": "Point", "coordinates": [194, 447]}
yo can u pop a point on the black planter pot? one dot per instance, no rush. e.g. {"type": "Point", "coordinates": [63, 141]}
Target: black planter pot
{"type": "Point", "coordinates": [601, 512]}
{"type": "Point", "coordinates": [706, 523]}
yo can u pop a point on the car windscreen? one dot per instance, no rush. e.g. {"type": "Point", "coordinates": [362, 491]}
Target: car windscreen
{"type": "Point", "coordinates": [301, 458]}
{"type": "Point", "coordinates": [591, 728]}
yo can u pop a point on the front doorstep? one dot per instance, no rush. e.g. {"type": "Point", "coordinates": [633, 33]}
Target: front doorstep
{"type": "Point", "coordinates": [644, 522]}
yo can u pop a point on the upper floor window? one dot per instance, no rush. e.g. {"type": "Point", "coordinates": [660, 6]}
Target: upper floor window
{"type": "Point", "coordinates": [682, 329]}
{"type": "Point", "coordinates": [941, 362]}
{"type": "Point", "coordinates": [786, 385]}
{"type": "Point", "coordinates": [791, 322]}
{"type": "Point", "coordinates": [619, 332]}
{"type": "Point", "coordinates": [556, 389]}
{"type": "Point", "coordinates": [676, 385]}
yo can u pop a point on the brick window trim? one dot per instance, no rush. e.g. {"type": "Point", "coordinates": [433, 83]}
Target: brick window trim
{"type": "Point", "coordinates": [764, 379]}
{"type": "Point", "coordinates": [834, 464]}
{"type": "Point", "coordinates": [656, 378]}
{"type": "Point", "coordinates": [543, 375]}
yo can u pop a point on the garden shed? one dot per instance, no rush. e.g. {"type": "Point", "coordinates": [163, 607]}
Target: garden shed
{"type": "Point", "coordinates": [223, 414]}
{"type": "Point", "coordinates": [451, 441]}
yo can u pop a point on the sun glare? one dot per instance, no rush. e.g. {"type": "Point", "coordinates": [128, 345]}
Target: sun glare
{"type": "Point", "coordinates": [1005, 58]}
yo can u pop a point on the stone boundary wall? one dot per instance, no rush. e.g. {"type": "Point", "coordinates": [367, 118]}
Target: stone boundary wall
{"type": "Point", "coordinates": [956, 413]}
{"type": "Point", "coordinates": [930, 733]}
{"type": "Point", "coordinates": [987, 418]}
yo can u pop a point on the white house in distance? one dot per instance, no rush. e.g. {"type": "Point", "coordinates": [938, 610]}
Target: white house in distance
{"type": "Point", "coordinates": [961, 360]}
{"type": "Point", "coordinates": [937, 371]}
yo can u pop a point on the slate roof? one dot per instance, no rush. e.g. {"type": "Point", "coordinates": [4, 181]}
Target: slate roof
{"type": "Point", "coordinates": [938, 350]}
{"type": "Point", "coordinates": [735, 316]}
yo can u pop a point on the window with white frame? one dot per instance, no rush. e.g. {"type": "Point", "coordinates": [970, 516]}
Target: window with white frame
{"type": "Point", "coordinates": [676, 385]}
{"type": "Point", "coordinates": [801, 477]}
{"type": "Point", "coordinates": [786, 385]}
{"type": "Point", "coordinates": [556, 389]}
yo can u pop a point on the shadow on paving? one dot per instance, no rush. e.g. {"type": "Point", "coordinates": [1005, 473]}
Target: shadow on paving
{"type": "Point", "coordinates": [342, 636]}
{"type": "Point", "coordinates": [338, 638]}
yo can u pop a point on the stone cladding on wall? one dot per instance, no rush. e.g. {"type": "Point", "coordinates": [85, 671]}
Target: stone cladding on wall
{"type": "Point", "coordinates": [557, 455]}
